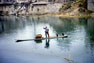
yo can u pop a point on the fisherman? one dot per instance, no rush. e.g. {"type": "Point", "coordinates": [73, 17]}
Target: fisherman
{"type": "Point", "coordinates": [46, 32]}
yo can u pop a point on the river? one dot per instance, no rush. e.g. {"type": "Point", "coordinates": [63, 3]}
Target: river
{"type": "Point", "coordinates": [78, 47]}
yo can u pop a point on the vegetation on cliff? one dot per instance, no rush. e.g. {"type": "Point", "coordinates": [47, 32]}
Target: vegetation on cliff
{"type": "Point", "coordinates": [76, 8]}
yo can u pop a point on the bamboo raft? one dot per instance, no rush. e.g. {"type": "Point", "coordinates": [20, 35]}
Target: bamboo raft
{"type": "Point", "coordinates": [62, 36]}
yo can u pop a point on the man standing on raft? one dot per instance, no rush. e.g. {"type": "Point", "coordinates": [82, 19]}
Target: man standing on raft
{"type": "Point", "coordinates": [46, 32]}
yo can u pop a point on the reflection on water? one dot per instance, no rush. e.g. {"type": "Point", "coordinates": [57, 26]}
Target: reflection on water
{"type": "Point", "coordinates": [79, 44]}
{"type": "Point", "coordinates": [47, 43]}
{"type": "Point", "coordinates": [38, 41]}
{"type": "Point", "coordinates": [90, 34]}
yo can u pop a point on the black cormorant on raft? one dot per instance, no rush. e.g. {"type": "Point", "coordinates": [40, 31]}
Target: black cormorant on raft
{"type": "Point", "coordinates": [39, 37]}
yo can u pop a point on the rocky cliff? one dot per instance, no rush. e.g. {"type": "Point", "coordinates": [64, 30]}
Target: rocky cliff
{"type": "Point", "coordinates": [78, 8]}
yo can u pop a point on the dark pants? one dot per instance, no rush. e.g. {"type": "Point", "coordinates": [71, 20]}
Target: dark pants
{"type": "Point", "coordinates": [47, 34]}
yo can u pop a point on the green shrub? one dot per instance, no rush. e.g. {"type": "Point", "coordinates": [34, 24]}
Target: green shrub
{"type": "Point", "coordinates": [60, 10]}
{"type": "Point", "coordinates": [69, 4]}
{"type": "Point", "coordinates": [89, 11]}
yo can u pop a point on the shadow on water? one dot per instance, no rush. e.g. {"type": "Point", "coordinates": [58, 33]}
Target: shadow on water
{"type": "Point", "coordinates": [64, 25]}
{"type": "Point", "coordinates": [88, 24]}
{"type": "Point", "coordinates": [1, 26]}
{"type": "Point", "coordinates": [9, 24]}
{"type": "Point", "coordinates": [90, 35]}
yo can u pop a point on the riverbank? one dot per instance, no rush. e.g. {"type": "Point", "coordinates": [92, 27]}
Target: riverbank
{"type": "Point", "coordinates": [70, 16]}
{"type": "Point", "coordinates": [59, 15]}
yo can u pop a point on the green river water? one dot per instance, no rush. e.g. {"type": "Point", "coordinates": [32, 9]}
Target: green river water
{"type": "Point", "coordinates": [78, 47]}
